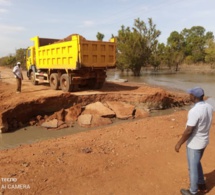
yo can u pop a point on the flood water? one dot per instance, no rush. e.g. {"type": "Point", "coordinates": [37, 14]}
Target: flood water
{"type": "Point", "coordinates": [176, 81]}
{"type": "Point", "coordinates": [179, 81]}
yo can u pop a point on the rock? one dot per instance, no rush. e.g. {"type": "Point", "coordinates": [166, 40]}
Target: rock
{"type": "Point", "coordinates": [99, 121]}
{"type": "Point", "coordinates": [72, 113]}
{"type": "Point", "coordinates": [59, 123]}
{"type": "Point", "coordinates": [60, 115]}
{"type": "Point", "coordinates": [140, 113]}
{"type": "Point", "coordinates": [99, 109]}
{"type": "Point", "coordinates": [50, 124]}
{"type": "Point", "coordinates": [84, 120]}
{"type": "Point", "coordinates": [122, 110]}
{"type": "Point", "coordinates": [87, 150]}
{"type": "Point", "coordinates": [26, 164]}
{"type": "Point", "coordinates": [62, 125]}
{"type": "Point", "coordinates": [39, 117]}
{"type": "Point", "coordinates": [32, 122]}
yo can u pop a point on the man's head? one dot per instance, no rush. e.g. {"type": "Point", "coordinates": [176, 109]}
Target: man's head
{"type": "Point", "coordinates": [196, 94]}
{"type": "Point", "coordinates": [18, 63]}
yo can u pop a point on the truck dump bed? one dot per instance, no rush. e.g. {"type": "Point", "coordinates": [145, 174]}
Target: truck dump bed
{"type": "Point", "coordinates": [74, 52]}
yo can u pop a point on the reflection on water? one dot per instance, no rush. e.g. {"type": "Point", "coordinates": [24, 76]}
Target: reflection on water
{"type": "Point", "coordinates": [173, 81]}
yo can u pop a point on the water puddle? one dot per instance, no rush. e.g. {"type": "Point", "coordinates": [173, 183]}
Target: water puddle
{"type": "Point", "coordinates": [32, 134]}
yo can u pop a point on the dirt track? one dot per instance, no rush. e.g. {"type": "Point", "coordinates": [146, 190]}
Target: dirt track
{"type": "Point", "coordinates": [135, 157]}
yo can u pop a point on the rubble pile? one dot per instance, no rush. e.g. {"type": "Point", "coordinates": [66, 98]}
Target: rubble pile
{"type": "Point", "coordinates": [92, 115]}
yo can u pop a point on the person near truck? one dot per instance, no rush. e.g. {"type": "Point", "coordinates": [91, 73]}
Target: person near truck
{"type": "Point", "coordinates": [197, 136]}
{"type": "Point", "coordinates": [17, 71]}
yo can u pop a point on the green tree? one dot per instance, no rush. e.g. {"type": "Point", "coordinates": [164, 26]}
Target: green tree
{"type": "Point", "coordinates": [210, 52]}
{"type": "Point", "coordinates": [20, 56]}
{"type": "Point", "coordinates": [3, 61]}
{"type": "Point", "coordinates": [136, 45]}
{"type": "Point", "coordinates": [176, 41]}
{"type": "Point", "coordinates": [100, 36]}
{"type": "Point", "coordinates": [195, 40]}
{"type": "Point", "coordinates": [155, 61]}
{"type": "Point", "coordinates": [176, 47]}
{"type": "Point", "coordinates": [10, 61]}
{"type": "Point", "coordinates": [164, 53]}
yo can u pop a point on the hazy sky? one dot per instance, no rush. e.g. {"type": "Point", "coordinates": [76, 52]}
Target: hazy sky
{"type": "Point", "coordinates": [22, 19]}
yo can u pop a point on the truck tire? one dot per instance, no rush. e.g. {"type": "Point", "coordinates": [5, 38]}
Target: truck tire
{"type": "Point", "coordinates": [54, 82]}
{"type": "Point", "coordinates": [32, 78]}
{"type": "Point", "coordinates": [64, 83]}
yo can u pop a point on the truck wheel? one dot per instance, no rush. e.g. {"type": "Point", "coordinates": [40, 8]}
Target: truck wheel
{"type": "Point", "coordinates": [33, 78]}
{"type": "Point", "coordinates": [64, 83]}
{"type": "Point", "coordinates": [54, 83]}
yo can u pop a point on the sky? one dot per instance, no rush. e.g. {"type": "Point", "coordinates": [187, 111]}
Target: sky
{"type": "Point", "coordinates": [21, 20]}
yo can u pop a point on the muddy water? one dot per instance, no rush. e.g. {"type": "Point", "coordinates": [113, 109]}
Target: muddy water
{"type": "Point", "coordinates": [179, 81]}
{"type": "Point", "coordinates": [33, 134]}
{"type": "Point", "coordinates": [182, 82]}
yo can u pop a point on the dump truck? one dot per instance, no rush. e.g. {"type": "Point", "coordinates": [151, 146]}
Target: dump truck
{"type": "Point", "coordinates": [70, 63]}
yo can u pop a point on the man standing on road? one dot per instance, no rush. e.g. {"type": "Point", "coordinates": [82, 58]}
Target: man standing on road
{"type": "Point", "coordinates": [17, 71]}
{"type": "Point", "coordinates": [197, 136]}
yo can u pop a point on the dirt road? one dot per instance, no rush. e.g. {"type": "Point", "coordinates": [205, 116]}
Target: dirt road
{"type": "Point", "coordinates": [131, 158]}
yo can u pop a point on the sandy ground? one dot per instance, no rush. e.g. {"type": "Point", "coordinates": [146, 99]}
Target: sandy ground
{"type": "Point", "coordinates": [132, 158]}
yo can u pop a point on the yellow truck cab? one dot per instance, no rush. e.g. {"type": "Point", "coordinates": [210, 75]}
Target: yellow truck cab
{"type": "Point", "coordinates": [71, 62]}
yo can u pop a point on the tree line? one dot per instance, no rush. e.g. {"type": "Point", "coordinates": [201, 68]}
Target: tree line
{"type": "Point", "coordinates": [138, 47]}
{"type": "Point", "coordinates": [11, 60]}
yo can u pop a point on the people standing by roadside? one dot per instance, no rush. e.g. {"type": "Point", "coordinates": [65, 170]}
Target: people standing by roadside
{"type": "Point", "coordinates": [17, 71]}
{"type": "Point", "coordinates": [197, 136]}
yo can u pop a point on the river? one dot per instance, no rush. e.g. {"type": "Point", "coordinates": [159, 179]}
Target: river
{"type": "Point", "coordinates": [177, 81]}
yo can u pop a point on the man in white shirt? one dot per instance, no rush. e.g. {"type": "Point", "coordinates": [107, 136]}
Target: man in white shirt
{"type": "Point", "coordinates": [17, 71]}
{"type": "Point", "coordinates": [197, 136]}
